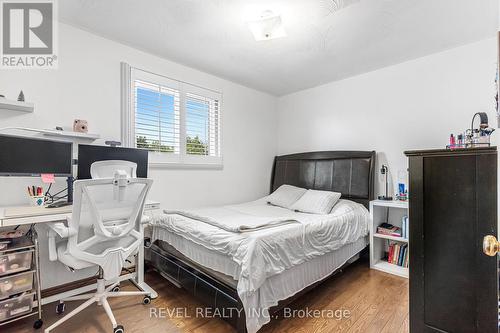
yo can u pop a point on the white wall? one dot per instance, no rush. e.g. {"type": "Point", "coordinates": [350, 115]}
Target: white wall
{"type": "Point", "coordinates": [87, 86]}
{"type": "Point", "coordinates": [413, 105]}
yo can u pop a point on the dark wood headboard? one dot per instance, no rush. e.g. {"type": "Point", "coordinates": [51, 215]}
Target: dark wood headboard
{"type": "Point", "coordinates": [351, 173]}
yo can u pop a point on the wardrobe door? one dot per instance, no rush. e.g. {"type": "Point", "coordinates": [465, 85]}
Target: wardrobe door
{"type": "Point", "coordinates": [453, 285]}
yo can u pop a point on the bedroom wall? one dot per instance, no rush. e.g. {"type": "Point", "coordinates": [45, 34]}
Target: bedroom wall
{"type": "Point", "coordinates": [413, 105]}
{"type": "Point", "coordinates": [87, 86]}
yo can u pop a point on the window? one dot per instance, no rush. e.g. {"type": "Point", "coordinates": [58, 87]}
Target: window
{"type": "Point", "coordinates": [177, 122]}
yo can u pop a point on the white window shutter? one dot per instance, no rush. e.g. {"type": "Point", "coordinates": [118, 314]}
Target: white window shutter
{"type": "Point", "coordinates": [127, 119]}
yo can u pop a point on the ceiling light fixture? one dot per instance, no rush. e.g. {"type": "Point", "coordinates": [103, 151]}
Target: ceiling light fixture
{"type": "Point", "coordinates": [268, 26]}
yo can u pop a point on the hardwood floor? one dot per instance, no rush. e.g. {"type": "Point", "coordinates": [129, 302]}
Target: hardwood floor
{"type": "Point", "coordinates": [373, 301]}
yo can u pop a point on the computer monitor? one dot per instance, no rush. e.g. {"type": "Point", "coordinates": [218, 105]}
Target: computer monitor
{"type": "Point", "coordinates": [88, 154]}
{"type": "Point", "coordinates": [22, 156]}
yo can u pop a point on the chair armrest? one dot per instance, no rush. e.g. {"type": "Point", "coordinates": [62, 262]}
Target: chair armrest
{"type": "Point", "coordinates": [56, 229]}
{"type": "Point", "coordinates": [59, 228]}
{"type": "Point", "coordinates": [145, 219]}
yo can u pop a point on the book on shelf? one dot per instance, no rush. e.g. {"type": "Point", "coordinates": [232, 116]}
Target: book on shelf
{"type": "Point", "coordinates": [398, 254]}
{"type": "Point", "coordinates": [389, 229]}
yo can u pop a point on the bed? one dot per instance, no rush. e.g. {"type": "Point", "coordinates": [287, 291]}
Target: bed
{"type": "Point", "coordinates": [246, 277]}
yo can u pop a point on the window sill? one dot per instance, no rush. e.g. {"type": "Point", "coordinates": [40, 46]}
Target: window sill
{"type": "Point", "coordinates": [175, 165]}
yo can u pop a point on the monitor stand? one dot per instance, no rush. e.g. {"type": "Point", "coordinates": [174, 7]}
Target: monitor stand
{"type": "Point", "coordinates": [59, 204]}
{"type": "Point", "coordinates": [70, 180]}
{"type": "Point", "coordinates": [69, 201]}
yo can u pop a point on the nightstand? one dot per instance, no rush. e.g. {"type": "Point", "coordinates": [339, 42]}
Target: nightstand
{"type": "Point", "coordinates": [391, 212]}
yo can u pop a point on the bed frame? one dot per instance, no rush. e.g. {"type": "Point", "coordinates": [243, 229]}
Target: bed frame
{"type": "Point", "coordinates": [351, 173]}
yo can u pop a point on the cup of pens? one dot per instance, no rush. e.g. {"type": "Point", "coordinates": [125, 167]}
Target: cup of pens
{"type": "Point", "coordinates": [37, 198]}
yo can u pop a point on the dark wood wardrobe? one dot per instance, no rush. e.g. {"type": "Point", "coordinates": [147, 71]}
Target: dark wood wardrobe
{"type": "Point", "coordinates": [453, 205]}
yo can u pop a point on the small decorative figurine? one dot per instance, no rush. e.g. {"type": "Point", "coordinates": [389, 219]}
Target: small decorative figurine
{"type": "Point", "coordinates": [20, 98]}
{"type": "Point", "coordinates": [80, 125]}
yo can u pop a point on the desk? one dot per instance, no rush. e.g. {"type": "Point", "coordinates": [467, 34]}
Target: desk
{"type": "Point", "coordinates": [13, 216]}
{"type": "Point", "coordinates": [26, 215]}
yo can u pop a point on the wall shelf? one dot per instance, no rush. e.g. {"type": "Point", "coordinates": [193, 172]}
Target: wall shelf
{"type": "Point", "coordinates": [10, 105]}
{"type": "Point", "coordinates": [70, 135]}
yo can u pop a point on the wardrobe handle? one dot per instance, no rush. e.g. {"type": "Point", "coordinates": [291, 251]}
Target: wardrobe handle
{"type": "Point", "coordinates": [490, 245]}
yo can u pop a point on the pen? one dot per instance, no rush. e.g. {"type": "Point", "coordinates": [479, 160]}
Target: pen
{"type": "Point", "coordinates": [29, 191]}
{"type": "Point", "coordinates": [34, 190]}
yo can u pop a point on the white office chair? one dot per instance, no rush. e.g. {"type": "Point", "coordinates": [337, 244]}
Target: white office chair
{"type": "Point", "coordinates": [103, 231]}
{"type": "Point", "coordinates": [106, 169]}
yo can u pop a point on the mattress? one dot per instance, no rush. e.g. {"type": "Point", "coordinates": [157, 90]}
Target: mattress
{"type": "Point", "coordinates": [277, 287]}
{"type": "Point", "coordinates": [310, 271]}
{"type": "Point", "coordinates": [263, 253]}
{"type": "Point", "coordinates": [228, 280]}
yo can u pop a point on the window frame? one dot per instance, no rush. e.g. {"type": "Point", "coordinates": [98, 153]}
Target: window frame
{"type": "Point", "coordinates": [128, 122]}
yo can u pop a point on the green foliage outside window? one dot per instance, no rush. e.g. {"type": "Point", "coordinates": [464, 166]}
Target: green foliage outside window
{"type": "Point", "coordinates": [194, 146]}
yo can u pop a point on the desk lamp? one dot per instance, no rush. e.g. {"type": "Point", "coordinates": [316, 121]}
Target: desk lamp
{"type": "Point", "coordinates": [384, 170]}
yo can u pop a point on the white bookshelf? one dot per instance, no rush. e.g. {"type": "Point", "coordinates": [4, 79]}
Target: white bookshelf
{"type": "Point", "coordinates": [391, 212]}
{"type": "Point", "coordinates": [389, 237]}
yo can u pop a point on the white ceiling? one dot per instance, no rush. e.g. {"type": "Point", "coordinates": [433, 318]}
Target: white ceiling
{"type": "Point", "coordinates": [322, 45]}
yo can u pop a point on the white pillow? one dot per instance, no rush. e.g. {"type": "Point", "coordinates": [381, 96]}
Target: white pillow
{"type": "Point", "coordinates": [286, 195]}
{"type": "Point", "coordinates": [316, 202]}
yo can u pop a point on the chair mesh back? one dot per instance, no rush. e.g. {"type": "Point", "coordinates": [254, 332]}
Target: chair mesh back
{"type": "Point", "coordinates": [113, 205]}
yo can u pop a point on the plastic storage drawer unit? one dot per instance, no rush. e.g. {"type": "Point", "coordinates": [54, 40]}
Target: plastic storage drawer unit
{"type": "Point", "coordinates": [16, 284]}
{"type": "Point", "coordinates": [14, 307]}
{"type": "Point", "coordinates": [15, 262]}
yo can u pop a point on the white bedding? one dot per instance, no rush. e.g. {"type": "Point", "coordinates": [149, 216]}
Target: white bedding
{"type": "Point", "coordinates": [259, 255]}
{"type": "Point", "coordinates": [234, 218]}
{"type": "Point", "coordinates": [275, 288]}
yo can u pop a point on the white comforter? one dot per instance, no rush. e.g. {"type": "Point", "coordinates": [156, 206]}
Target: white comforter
{"type": "Point", "coordinates": [237, 218]}
{"type": "Point", "coordinates": [265, 252]}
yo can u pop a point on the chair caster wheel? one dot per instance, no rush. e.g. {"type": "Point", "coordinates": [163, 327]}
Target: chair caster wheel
{"type": "Point", "coordinates": [38, 324]}
{"type": "Point", "coordinates": [60, 308]}
{"type": "Point", "coordinates": [116, 289]}
{"type": "Point", "coordinates": [146, 300]}
{"type": "Point", "coordinates": [119, 329]}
